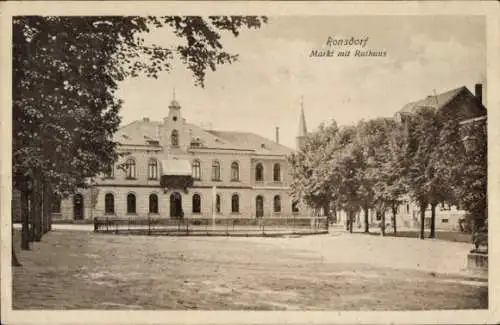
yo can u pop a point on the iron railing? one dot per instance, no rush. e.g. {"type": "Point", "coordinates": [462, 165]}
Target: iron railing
{"type": "Point", "coordinates": [266, 226]}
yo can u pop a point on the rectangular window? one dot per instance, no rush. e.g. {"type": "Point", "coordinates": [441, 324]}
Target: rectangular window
{"type": "Point", "coordinates": [444, 220]}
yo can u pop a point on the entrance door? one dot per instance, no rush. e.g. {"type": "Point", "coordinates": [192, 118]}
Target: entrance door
{"type": "Point", "coordinates": [176, 205]}
{"type": "Point", "coordinates": [78, 207]}
{"type": "Point", "coordinates": [259, 206]}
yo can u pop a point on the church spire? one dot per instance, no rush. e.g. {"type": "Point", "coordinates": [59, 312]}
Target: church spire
{"type": "Point", "coordinates": [302, 126]}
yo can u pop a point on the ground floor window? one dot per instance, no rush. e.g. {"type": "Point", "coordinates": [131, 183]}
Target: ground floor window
{"type": "Point", "coordinates": [196, 203]}
{"type": "Point", "coordinates": [277, 203]}
{"type": "Point", "coordinates": [217, 203]}
{"type": "Point", "coordinates": [295, 206]}
{"type": "Point", "coordinates": [56, 204]}
{"type": "Point", "coordinates": [109, 203]}
{"type": "Point", "coordinates": [131, 205]}
{"type": "Point", "coordinates": [153, 203]}
{"type": "Point", "coordinates": [259, 206]}
{"type": "Point", "coordinates": [235, 203]}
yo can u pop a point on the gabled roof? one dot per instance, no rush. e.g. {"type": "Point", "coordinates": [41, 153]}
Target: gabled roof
{"type": "Point", "coordinates": [211, 140]}
{"type": "Point", "coordinates": [438, 101]}
{"type": "Point", "coordinates": [252, 141]}
{"type": "Point", "coordinates": [139, 132]}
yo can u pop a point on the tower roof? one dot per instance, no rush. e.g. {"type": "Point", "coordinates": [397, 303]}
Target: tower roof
{"type": "Point", "coordinates": [302, 121]}
{"type": "Point", "coordinates": [174, 103]}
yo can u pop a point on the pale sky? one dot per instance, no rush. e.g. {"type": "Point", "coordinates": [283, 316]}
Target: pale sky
{"type": "Point", "coordinates": [263, 89]}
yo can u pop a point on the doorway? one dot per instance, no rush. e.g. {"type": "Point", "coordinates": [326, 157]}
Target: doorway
{"type": "Point", "coordinates": [259, 207]}
{"type": "Point", "coordinates": [78, 207]}
{"type": "Point", "coordinates": [176, 205]}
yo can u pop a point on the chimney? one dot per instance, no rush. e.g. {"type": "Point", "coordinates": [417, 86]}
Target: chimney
{"type": "Point", "coordinates": [277, 134]}
{"type": "Point", "coordinates": [479, 92]}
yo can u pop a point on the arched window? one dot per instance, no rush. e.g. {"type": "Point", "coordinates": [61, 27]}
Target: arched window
{"type": "Point", "coordinates": [217, 203]}
{"type": "Point", "coordinates": [235, 171]}
{"type": "Point", "coordinates": [111, 172]}
{"type": "Point", "coordinates": [277, 203]}
{"type": "Point", "coordinates": [259, 172]}
{"type": "Point", "coordinates": [196, 203]}
{"type": "Point", "coordinates": [153, 169]}
{"type": "Point", "coordinates": [131, 208]}
{"type": "Point", "coordinates": [259, 206]}
{"type": "Point", "coordinates": [175, 138]}
{"type": "Point", "coordinates": [109, 204]}
{"type": "Point", "coordinates": [215, 170]}
{"type": "Point", "coordinates": [130, 168]}
{"type": "Point", "coordinates": [153, 203]}
{"type": "Point", "coordinates": [235, 203]}
{"type": "Point", "coordinates": [295, 206]}
{"type": "Point", "coordinates": [277, 173]}
{"type": "Point", "coordinates": [196, 168]}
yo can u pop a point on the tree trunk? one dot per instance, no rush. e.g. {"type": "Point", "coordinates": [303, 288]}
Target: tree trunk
{"type": "Point", "coordinates": [37, 207]}
{"type": "Point", "coordinates": [25, 231]}
{"type": "Point", "coordinates": [351, 220]}
{"type": "Point", "coordinates": [433, 221]}
{"type": "Point", "coordinates": [422, 220]}
{"type": "Point", "coordinates": [46, 207]}
{"type": "Point", "coordinates": [394, 213]}
{"type": "Point", "coordinates": [367, 222]}
{"type": "Point", "coordinates": [14, 260]}
{"type": "Point", "coordinates": [326, 212]}
{"type": "Point", "coordinates": [382, 224]}
{"type": "Point", "coordinates": [36, 220]}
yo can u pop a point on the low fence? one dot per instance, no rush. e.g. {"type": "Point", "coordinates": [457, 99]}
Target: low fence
{"type": "Point", "coordinates": [212, 227]}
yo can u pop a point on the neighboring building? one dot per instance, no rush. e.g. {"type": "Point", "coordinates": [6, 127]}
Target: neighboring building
{"type": "Point", "coordinates": [468, 108]}
{"type": "Point", "coordinates": [173, 168]}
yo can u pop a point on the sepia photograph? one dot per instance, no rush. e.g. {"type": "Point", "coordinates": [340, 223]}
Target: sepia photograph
{"type": "Point", "coordinates": [234, 161]}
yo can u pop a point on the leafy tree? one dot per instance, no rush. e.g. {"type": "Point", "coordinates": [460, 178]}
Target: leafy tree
{"type": "Point", "coordinates": [423, 179]}
{"type": "Point", "coordinates": [473, 182]}
{"type": "Point", "coordinates": [310, 169]}
{"type": "Point", "coordinates": [65, 74]}
{"type": "Point", "coordinates": [448, 160]}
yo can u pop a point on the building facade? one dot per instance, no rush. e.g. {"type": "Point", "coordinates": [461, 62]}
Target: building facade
{"type": "Point", "coordinates": [176, 169]}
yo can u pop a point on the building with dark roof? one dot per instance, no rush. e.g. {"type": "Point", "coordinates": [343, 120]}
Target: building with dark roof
{"type": "Point", "coordinates": [468, 108]}
{"type": "Point", "coordinates": [172, 168]}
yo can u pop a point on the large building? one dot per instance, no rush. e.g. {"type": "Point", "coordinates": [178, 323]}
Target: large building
{"type": "Point", "coordinates": [468, 108]}
{"type": "Point", "coordinates": [173, 168]}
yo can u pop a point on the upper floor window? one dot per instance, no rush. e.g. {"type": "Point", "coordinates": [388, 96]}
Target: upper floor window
{"type": "Point", "coordinates": [111, 172]}
{"type": "Point", "coordinates": [235, 171]}
{"type": "Point", "coordinates": [153, 169]}
{"type": "Point", "coordinates": [130, 168]}
{"type": "Point", "coordinates": [277, 173]}
{"type": "Point", "coordinates": [277, 203]}
{"type": "Point", "coordinates": [259, 172]}
{"type": "Point", "coordinates": [215, 170]}
{"type": "Point", "coordinates": [196, 169]}
{"type": "Point", "coordinates": [175, 138]}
